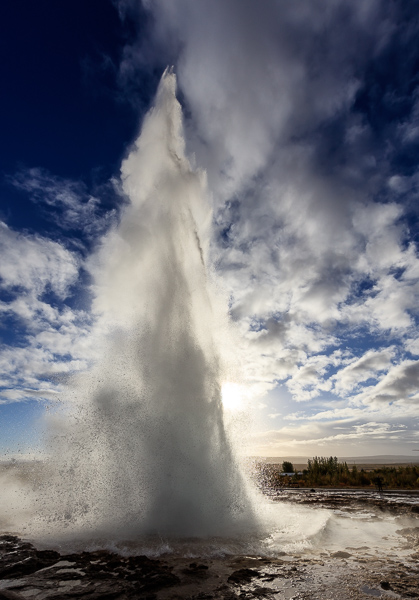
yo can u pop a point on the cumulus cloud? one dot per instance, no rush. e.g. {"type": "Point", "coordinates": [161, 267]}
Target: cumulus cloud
{"type": "Point", "coordinates": [37, 275]}
{"type": "Point", "coordinates": [67, 202]}
{"type": "Point", "coordinates": [296, 127]}
{"type": "Point", "coordinates": [42, 299]}
{"type": "Point", "coordinates": [361, 369]}
{"type": "Point", "coordinates": [32, 263]}
{"type": "Point", "coordinates": [400, 384]}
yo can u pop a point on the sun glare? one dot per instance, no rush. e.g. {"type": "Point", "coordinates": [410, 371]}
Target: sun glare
{"type": "Point", "coordinates": [232, 396]}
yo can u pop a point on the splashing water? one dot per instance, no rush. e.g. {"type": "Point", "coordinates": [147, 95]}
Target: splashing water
{"type": "Point", "coordinates": [144, 449]}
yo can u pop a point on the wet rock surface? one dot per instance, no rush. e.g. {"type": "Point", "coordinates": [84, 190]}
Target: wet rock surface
{"type": "Point", "coordinates": [28, 573]}
{"type": "Point", "coordinates": [36, 573]}
{"type": "Point", "coordinates": [352, 500]}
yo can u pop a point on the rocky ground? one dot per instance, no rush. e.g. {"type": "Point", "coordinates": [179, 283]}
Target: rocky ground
{"type": "Point", "coordinates": [351, 500]}
{"type": "Point", "coordinates": [29, 573]}
{"type": "Point", "coordinates": [350, 573]}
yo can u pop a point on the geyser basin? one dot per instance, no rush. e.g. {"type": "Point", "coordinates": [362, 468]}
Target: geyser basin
{"type": "Point", "coordinates": [189, 570]}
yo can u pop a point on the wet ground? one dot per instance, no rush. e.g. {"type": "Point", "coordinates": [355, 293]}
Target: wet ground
{"type": "Point", "coordinates": [390, 570]}
{"type": "Point", "coordinates": [351, 499]}
{"type": "Point", "coordinates": [351, 573]}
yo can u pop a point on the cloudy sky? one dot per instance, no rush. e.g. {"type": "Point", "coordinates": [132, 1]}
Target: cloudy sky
{"type": "Point", "coordinates": [305, 117]}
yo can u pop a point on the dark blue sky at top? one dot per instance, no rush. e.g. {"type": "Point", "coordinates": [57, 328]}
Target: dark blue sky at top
{"type": "Point", "coordinates": [61, 107]}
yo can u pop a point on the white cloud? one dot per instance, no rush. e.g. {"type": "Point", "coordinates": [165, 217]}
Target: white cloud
{"type": "Point", "coordinates": [33, 263]}
{"type": "Point", "coordinates": [361, 369]}
{"type": "Point", "coordinates": [309, 380]}
{"type": "Point", "coordinates": [37, 276]}
{"type": "Point", "coordinates": [412, 345]}
{"type": "Point", "coordinates": [311, 232]}
{"type": "Point", "coordinates": [400, 384]}
{"type": "Point", "coordinates": [69, 203]}
{"type": "Point", "coordinates": [335, 437]}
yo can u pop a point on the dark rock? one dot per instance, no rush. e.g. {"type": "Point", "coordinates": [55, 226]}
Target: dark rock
{"type": "Point", "coordinates": [197, 566]}
{"type": "Point", "coordinates": [161, 579]}
{"type": "Point", "coordinates": [262, 592]}
{"type": "Point", "coordinates": [243, 576]}
{"type": "Point", "coordinates": [101, 595]}
{"type": "Point", "coordinates": [414, 531]}
{"type": "Point", "coordinates": [196, 570]}
{"type": "Point", "coordinates": [385, 585]}
{"type": "Point", "coordinates": [106, 576]}
{"type": "Point", "coordinates": [10, 538]}
{"type": "Point", "coordinates": [27, 566]}
{"type": "Point", "coordinates": [271, 577]}
{"type": "Point", "coordinates": [21, 558]}
{"type": "Point", "coordinates": [341, 554]}
{"type": "Point", "coordinates": [9, 595]}
{"type": "Point", "coordinates": [47, 555]}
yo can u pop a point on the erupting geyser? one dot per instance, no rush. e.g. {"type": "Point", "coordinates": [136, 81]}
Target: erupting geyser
{"type": "Point", "coordinates": [144, 449]}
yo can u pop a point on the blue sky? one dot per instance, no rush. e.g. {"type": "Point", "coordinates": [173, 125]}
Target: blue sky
{"type": "Point", "coordinates": [305, 117]}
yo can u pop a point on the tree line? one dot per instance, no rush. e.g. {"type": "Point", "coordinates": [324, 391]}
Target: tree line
{"type": "Point", "coordinates": [329, 472]}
